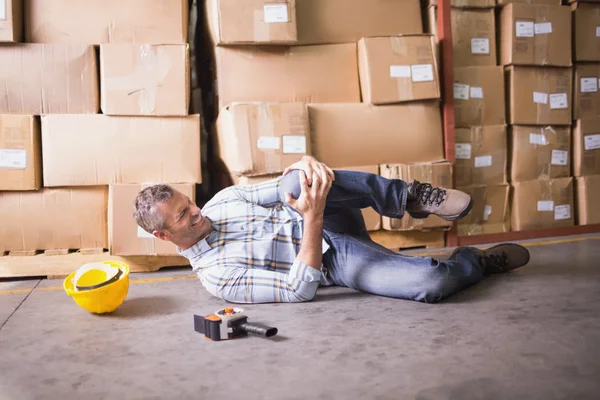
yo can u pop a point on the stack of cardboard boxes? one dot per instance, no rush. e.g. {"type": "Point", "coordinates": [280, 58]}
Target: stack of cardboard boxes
{"type": "Point", "coordinates": [95, 107]}
{"type": "Point", "coordinates": [480, 116]}
{"type": "Point", "coordinates": [586, 111]}
{"type": "Point", "coordinates": [352, 82]}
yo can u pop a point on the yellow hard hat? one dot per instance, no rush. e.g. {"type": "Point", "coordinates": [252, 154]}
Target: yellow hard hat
{"type": "Point", "coordinates": [99, 287]}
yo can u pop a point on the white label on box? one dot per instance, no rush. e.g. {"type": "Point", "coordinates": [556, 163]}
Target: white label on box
{"type": "Point", "coordinates": [592, 142]}
{"type": "Point", "coordinates": [545, 205]}
{"type": "Point", "coordinates": [461, 92]}
{"type": "Point", "coordinates": [487, 211]}
{"type": "Point", "coordinates": [13, 158]}
{"type": "Point", "coordinates": [294, 144]}
{"type": "Point", "coordinates": [268, 142]}
{"type": "Point", "coordinates": [560, 157]}
{"type": "Point", "coordinates": [141, 233]}
{"type": "Point", "coordinates": [275, 13]}
{"type": "Point", "coordinates": [476, 92]}
{"type": "Point", "coordinates": [538, 138]}
{"type": "Point", "coordinates": [483, 161]}
{"type": "Point", "coordinates": [463, 151]}
{"type": "Point", "coordinates": [422, 72]}
{"type": "Point", "coordinates": [543, 28]}
{"type": "Point", "coordinates": [2, 10]}
{"type": "Point", "coordinates": [480, 46]}
{"type": "Point", "coordinates": [400, 71]}
{"type": "Point", "coordinates": [589, 85]}
{"type": "Point", "coordinates": [559, 100]}
{"type": "Point", "coordinates": [540, 98]}
{"type": "Point", "coordinates": [562, 211]}
{"type": "Point", "coordinates": [525, 29]}
{"type": "Point", "coordinates": [598, 31]}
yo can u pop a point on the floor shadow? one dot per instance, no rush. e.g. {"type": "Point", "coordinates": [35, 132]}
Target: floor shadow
{"type": "Point", "coordinates": [324, 295]}
{"type": "Point", "coordinates": [149, 306]}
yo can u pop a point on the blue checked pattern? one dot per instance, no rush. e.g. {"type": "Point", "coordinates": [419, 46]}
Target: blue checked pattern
{"type": "Point", "coordinates": [250, 257]}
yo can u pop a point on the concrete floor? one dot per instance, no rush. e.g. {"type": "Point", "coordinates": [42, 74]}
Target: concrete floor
{"type": "Point", "coordinates": [530, 334]}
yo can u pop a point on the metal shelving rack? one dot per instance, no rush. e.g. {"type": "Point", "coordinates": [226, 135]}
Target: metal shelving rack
{"type": "Point", "coordinates": [447, 76]}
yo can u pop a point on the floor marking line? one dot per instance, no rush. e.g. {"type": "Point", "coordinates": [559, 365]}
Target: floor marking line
{"type": "Point", "coordinates": [190, 277]}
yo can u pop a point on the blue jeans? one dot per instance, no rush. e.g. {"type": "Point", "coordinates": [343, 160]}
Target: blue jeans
{"type": "Point", "coordinates": [355, 261]}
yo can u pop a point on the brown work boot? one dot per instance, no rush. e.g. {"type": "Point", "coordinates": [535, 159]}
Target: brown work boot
{"type": "Point", "coordinates": [500, 258]}
{"type": "Point", "coordinates": [449, 204]}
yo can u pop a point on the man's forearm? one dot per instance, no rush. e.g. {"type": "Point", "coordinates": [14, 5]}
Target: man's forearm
{"type": "Point", "coordinates": [311, 250]}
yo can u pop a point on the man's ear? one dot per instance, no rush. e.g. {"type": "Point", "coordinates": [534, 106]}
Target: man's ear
{"type": "Point", "coordinates": [162, 235]}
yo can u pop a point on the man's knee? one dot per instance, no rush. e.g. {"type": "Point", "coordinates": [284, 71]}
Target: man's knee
{"type": "Point", "coordinates": [290, 184]}
{"type": "Point", "coordinates": [437, 289]}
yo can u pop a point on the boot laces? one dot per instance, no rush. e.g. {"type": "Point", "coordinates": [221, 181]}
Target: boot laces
{"type": "Point", "coordinates": [428, 195]}
{"type": "Point", "coordinates": [498, 261]}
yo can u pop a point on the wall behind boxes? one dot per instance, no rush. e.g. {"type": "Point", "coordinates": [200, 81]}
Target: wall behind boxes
{"type": "Point", "coordinates": [96, 107]}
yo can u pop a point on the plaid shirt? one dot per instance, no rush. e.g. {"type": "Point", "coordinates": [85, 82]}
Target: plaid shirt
{"type": "Point", "coordinates": [250, 257]}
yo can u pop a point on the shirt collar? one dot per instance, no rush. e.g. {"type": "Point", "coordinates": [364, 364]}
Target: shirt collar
{"type": "Point", "coordinates": [201, 247]}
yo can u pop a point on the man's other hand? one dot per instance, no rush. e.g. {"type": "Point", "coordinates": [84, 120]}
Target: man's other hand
{"type": "Point", "coordinates": [312, 200]}
{"type": "Point", "coordinates": [310, 165]}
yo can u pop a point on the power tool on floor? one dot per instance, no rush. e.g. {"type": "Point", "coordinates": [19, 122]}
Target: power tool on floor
{"type": "Point", "coordinates": [229, 323]}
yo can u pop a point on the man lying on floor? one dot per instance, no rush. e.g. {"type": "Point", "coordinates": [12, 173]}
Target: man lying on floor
{"type": "Point", "coordinates": [279, 240]}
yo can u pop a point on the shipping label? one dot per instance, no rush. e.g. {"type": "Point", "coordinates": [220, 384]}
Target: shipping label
{"type": "Point", "coordinates": [591, 142]}
{"type": "Point", "coordinates": [13, 158]}
{"type": "Point", "coordinates": [463, 151]}
{"type": "Point", "coordinates": [525, 29]}
{"type": "Point", "coordinates": [483, 161]}
{"type": "Point", "coordinates": [560, 157]}
{"type": "Point", "coordinates": [558, 101]}
{"type": "Point", "coordinates": [461, 92]}
{"type": "Point", "coordinates": [400, 71]}
{"type": "Point", "coordinates": [141, 233]}
{"type": "Point", "coordinates": [543, 28]}
{"type": "Point", "coordinates": [545, 205]}
{"type": "Point", "coordinates": [476, 92]}
{"type": "Point", "coordinates": [540, 98]}
{"type": "Point", "coordinates": [588, 85]}
{"type": "Point", "coordinates": [538, 138]}
{"type": "Point", "coordinates": [480, 46]}
{"type": "Point", "coordinates": [422, 72]}
{"type": "Point", "coordinates": [562, 211]}
{"type": "Point", "coordinates": [276, 13]}
{"type": "Point", "coordinates": [294, 144]}
{"type": "Point", "coordinates": [268, 142]}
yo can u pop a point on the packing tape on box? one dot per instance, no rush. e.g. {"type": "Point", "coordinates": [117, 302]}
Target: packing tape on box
{"type": "Point", "coordinates": [541, 39]}
{"type": "Point", "coordinates": [404, 83]}
{"type": "Point", "coordinates": [543, 80]}
{"type": "Point", "coordinates": [152, 65]}
{"type": "Point", "coordinates": [262, 30]}
{"type": "Point", "coordinates": [266, 127]}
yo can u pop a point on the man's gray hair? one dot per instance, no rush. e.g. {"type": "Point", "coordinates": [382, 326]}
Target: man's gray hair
{"type": "Point", "coordinates": [145, 212]}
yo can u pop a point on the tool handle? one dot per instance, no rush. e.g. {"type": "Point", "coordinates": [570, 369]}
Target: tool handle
{"type": "Point", "coordinates": [259, 329]}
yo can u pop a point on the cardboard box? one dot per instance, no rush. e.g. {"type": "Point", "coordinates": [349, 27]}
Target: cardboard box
{"type": "Point", "coordinates": [144, 79]}
{"type": "Point", "coordinates": [438, 174]}
{"type": "Point", "coordinates": [540, 152]}
{"type": "Point", "coordinates": [586, 20]}
{"type": "Point", "coordinates": [542, 204]}
{"type": "Point", "coordinates": [50, 219]}
{"type": "Point", "coordinates": [586, 147]}
{"type": "Point", "coordinates": [586, 99]}
{"type": "Point", "coordinates": [539, 95]}
{"type": "Point", "coordinates": [106, 21]}
{"type": "Point", "coordinates": [98, 149]}
{"type": "Point", "coordinates": [252, 21]}
{"type": "Point", "coordinates": [48, 79]}
{"type": "Point", "coordinates": [467, 3]}
{"type": "Point", "coordinates": [481, 154]}
{"type": "Point", "coordinates": [479, 96]}
{"type": "Point", "coordinates": [262, 138]}
{"type": "Point", "coordinates": [11, 21]}
{"type": "Point", "coordinates": [490, 213]}
{"type": "Point", "coordinates": [535, 35]}
{"type": "Point", "coordinates": [587, 190]}
{"type": "Point", "coordinates": [346, 21]}
{"type": "Point", "coordinates": [125, 236]}
{"type": "Point", "coordinates": [317, 74]}
{"type": "Point", "coordinates": [398, 69]}
{"type": "Point", "coordinates": [371, 217]}
{"type": "Point", "coordinates": [473, 35]}
{"type": "Point", "coordinates": [20, 153]}
{"type": "Point", "coordinates": [343, 135]}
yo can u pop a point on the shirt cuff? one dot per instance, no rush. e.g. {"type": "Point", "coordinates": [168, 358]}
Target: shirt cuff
{"type": "Point", "coordinates": [304, 273]}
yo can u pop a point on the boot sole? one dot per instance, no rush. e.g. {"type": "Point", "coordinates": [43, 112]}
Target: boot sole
{"type": "Point", "coordinates": [516, 246]}
{"type": "Point", "coordinates": [463, 214]}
